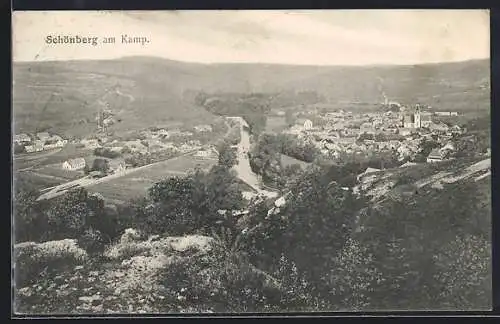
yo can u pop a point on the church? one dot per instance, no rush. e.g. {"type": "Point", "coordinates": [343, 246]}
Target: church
{"type": "Point", "coordinates": [416, 118]}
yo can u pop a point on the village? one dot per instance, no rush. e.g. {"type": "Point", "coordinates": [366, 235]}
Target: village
{"type": "Point", "coordinates": [105, 155]}
{"type": "Point", "coordinates": [400, 132]}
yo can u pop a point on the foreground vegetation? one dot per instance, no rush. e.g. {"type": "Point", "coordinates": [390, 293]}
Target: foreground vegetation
{"type": "Point", "coordinates": [182, 249]}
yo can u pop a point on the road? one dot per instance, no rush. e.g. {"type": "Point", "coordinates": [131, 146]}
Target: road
{"type": "Point", "coordinates": [242, 168]}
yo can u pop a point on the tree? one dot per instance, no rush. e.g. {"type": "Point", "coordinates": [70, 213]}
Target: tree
{"type": "Point", "coordinates": [28, 221]}
{"type": "Point", "coordinates": [100, 165]}
{"type": "Point", "coordinates": [290, 118]}
{"type": "Point", "coordinates": [227, 155]}
{"type": "Point", "coordinates": [354, 277]}
{"type": "Point", "coordinates": [463, 275]}
{"type": "Point", "coordinates": [190, 204]}
{"type": "Point", "coordinates": [311, 227]}
{"type": "Point", "coordinates": [18, 149]}
{"type": "Point", "coordinates": [68, 215]}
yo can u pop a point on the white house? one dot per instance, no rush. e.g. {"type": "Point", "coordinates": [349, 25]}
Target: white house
{"type": "Point", "coordinates": [308, 124]}
{"type": "Point", "coordinates": [43, 136]}
{"type": "Point", "coordinates": [207, 153]}
{"type": "Point", "coordinates": [367, 171]}
{"type": "Point", "coordinates": [407, 164]}
{"type": "Point", "coordinates": [38, 145]}
{"type": "Point", "coordinates": [117, 165]}
{"type": "Point", "coordinates": [74, 164]}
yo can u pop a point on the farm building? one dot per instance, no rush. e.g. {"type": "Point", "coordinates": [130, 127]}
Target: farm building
{"type": "Point", "coordinates": [74, 164]}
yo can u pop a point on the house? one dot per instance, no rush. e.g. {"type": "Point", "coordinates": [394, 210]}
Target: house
{"type": "Point", "coordinates": [90, 143]}
{"type": "Point", "coordinates": [456, 129]}
{"type": "Point", "coordinates": [108, 121]}
{"type": "Point", "coordinates": [407, 164]}
{"type": "Point", "coordinates": [74, 164]}
{"type": "Point", "coordinates": [203, 128]}
{"type": "Point", "coordinates": [446, 113]}
{"type": "Point", "coordinates": [438, 127]}
{"type": "Point", "coordinates": [22, 138]}
{"type": "Point", "coordinates": [38, 145]}
{"type": "Point", "coordinates": [207, 153]}
{"type": "Point", "coordinates": [425, 119]}
{"type": "Point", "coordinates": [406, 131]}
{"type": "Point", "coordinates": [43, 136]}
{"type": "Point", "coordinates": [367, 128]}
{"type": "Point", "coordinates": [117, 165]}
{"type": "Point", "coordinates": [408, 121]}
{"type": "Point", "coordinates": [367, 171]}
{"type": "Point", "coordinates": [162, 132]}
{"type": "Point", "coordinates": [449, 146]}
{"type": "Point", "coordinates": [308, 124]}
{"type": "Point", "coordinates": [55, 138]}
{"type": "Point", "coordinates": [435, 156]}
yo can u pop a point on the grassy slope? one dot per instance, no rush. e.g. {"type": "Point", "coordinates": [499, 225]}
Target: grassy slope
{"type": "Point", "coordinates": [158, 87]}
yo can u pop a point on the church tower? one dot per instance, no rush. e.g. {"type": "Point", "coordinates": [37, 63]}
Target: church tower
{"type": "Point", "coordinates": [417, 118]}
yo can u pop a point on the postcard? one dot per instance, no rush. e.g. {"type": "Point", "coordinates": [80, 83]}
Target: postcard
{"type": "Point", "coordinates": [248, 161]}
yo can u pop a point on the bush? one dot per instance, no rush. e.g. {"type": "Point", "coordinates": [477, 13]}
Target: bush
{"type": "Point", "coordinates": [92, 241]}
{"type": "Point", "coordinates": [34, 260]}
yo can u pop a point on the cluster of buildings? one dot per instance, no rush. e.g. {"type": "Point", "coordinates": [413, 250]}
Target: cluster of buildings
{"type": "Point", "coordinates": [102, 165]}
{"type": "Point", "coordinates": [152, 140]}
{"type": "Point", "coordinates": [39, 142]}
{"type": "Point", "coordinates": [403, 132]}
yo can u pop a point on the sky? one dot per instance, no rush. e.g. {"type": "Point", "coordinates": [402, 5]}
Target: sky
{"type": "Point", "coordinates": [316, 37]}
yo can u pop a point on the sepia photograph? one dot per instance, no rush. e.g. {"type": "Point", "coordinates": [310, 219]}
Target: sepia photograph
{"type": "Point", "coordinates": [251, 161]}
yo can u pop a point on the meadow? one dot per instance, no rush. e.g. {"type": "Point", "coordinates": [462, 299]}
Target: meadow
{"type": "Point", "coordinates": [135, 184]}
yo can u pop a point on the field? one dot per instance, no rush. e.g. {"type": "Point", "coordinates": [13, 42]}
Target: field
{"type": "Point", "coordinates": [56, 171]}
{"type": "Point", "coordinates": [136, 183]}
{"type": "Point", "coordinates": [40, 182]}
{"type": "Point", "coordinates": [70, 151]}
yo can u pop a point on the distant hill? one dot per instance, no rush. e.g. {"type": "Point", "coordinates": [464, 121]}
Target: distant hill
{"type": "Point", "coordinates": [160, 88]}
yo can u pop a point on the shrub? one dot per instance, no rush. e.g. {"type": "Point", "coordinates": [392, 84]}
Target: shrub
{"type": "Point", "coordinates": [33, 260]}
{"type": "Point", "coordinates": [463, 276]}
{"type": "Point", "coordinates": [92, 241]}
